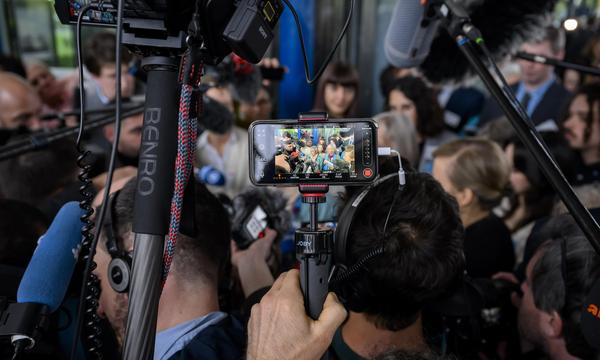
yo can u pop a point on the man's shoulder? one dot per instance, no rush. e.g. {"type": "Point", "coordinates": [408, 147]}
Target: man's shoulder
{"type": "Point", "coordinates": [557, 90]}
{"type": "Point", "coordinates": [240, 132]}
{"type": "Point", "coordinates": [222, 340]}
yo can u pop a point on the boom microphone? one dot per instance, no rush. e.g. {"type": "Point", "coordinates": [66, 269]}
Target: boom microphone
{"type": "Point", "coordinates": [46, 279]}
{"type": "Point", "coordinates": [49, 272]}
{"type": "Point", "coordinates": [410, 33]}
{"type": "Point", "coordinates": [505, 25]}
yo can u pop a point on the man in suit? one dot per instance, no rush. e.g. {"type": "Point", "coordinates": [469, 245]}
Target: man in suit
{"type": "Point", "coordinates": [538, 91]}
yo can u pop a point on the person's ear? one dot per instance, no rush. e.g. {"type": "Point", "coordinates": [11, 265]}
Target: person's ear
{"type": "Point", "coordinates": [551, 324]}
{"type": "Point", "coordinates": [109, 133]}
{"type": "Point", "coordinates": [464, 197]}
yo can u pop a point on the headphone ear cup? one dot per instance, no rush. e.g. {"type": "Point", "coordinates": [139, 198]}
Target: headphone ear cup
{"type": "Point", "coordinates": [590, 316]}
{"type": "Point", "coordinates": [353, 293]}
{"type": "Point", "coordinates": [119, 273]}
{"type": "Point", "coordinates": [347, 291]}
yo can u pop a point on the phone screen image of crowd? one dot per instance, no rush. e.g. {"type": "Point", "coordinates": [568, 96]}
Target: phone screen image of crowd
{"type": "Point", "coordinates": [313, 152]}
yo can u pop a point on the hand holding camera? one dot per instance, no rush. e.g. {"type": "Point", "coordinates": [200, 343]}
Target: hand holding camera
{"type": "Point", "coordinates": [302, 337]}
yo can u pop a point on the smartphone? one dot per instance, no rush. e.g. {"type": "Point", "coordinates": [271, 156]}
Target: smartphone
{"type": "Point", "coordinates": [288, 152]}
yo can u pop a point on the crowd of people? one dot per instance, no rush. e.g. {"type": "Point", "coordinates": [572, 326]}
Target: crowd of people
{"type": "Point", "coordinates": [476, 212]}
{"type": "Point", "coordinates": [306, 152]}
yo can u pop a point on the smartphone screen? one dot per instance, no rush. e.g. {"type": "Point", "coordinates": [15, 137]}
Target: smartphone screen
{"type": "Point", "coordinates": [289, 153]}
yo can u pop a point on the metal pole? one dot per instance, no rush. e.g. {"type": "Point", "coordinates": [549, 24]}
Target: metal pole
{"type": "Point", "coordinates": [532, 140]}
{"type": "Point", "coordinates": [314, 216]}
{"type": "Point", "coordinates": [39, 141]}
{"type": "Point", "coordinates": [152, 204]}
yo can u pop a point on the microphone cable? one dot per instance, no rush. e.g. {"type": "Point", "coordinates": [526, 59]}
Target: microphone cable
{"type": "Point", "coordinates": [303, 46]}
{"type": "Point", "coordinates": [88, 301]}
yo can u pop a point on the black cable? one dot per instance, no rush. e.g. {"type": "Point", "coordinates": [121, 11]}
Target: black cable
{"type": "Point", "coordinates": [90, 265]}
{"type": "Point", "coordinates": [500, 76]}
{"type": "Point", "coordinates": [302, 45]}
{"type": "Point", "coordinates": [20, 347]}
{"type": "Point", "coordinates": [85, 204]}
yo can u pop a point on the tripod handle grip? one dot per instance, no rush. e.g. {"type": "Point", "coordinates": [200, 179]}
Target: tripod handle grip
{"type": "Point", "coordinates": [313, 281]}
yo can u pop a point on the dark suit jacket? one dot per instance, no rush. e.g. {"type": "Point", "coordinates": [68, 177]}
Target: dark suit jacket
{"type": "Point", "coordinates": [551, 106]}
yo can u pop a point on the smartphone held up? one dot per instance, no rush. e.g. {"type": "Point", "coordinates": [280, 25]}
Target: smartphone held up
{"type": "Point", "coordinates": [289, 152]}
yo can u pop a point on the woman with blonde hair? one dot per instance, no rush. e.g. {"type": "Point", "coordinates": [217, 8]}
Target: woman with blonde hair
{"type": "Point", "coordinates": [476, 172]}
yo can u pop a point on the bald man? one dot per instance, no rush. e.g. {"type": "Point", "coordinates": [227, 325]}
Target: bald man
{"type": "Point", "coordinates": [56, 94]}
{"type": "Point", "coordinates": [20, 105]}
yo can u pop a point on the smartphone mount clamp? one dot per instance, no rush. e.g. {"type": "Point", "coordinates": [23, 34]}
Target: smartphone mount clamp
{"type": "Point", "coordinates": [314, 246]}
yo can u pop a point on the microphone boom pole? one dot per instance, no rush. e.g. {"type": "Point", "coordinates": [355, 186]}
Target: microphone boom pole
{"type": "Point", "coordinates": [558, 63]}
{"type": "Point", "coordinates": [40, 141]}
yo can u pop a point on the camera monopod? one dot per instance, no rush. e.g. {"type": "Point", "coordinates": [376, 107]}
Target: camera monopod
{"type": "Point", "coordinates": [314, 246]}
{"type": "Point", "coordinates": [314, 251]}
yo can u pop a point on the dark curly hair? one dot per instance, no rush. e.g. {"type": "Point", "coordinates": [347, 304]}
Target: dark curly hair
{"type": "Point", "coordinates": [423, 250]}
{"type": "Point", "coordinates": [430, 115]}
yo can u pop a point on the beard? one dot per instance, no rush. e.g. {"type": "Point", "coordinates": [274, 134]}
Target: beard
{"type": "Point", "coordinates": [118, 320]}
{"type": "Point", "coordinates": [529, 332]}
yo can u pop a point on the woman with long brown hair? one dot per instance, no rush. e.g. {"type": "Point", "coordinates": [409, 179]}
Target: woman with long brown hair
{"type": "Point", "coordinates": [337, 92]}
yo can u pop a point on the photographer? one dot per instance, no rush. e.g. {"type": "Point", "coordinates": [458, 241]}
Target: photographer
{"type": "Point", "coordinates": [385, 297]}
{"type": "Point", "coordinates": [422, 259]}
{"type": "Point", "coordinates": [279, 324]}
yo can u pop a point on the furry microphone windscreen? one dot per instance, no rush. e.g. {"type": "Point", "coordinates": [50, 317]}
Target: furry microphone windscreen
{"type": "Point", "coordinates": [215, 117]}
{"type": "Point", "coordinates": [504, 24]}
{"type": "Point", "coordinates": [271, 201]}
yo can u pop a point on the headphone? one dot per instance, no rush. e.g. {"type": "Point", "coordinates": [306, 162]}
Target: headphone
{"type": "Point", "coordinates": [342, 271]}
{"type": "Point", "coordinates": [590, 314]}
{"type": "Point", "coordinates": [119, 268]}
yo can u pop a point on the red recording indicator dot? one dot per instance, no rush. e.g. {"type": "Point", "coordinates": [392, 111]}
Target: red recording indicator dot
{"type": "Point", "coordinates": [367, 172]}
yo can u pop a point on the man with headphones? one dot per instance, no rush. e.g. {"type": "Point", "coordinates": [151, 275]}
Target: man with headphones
{"type": "Point", "coordinates": [396, 248]}
{"type": "Point", "coordinates": [559, 278]}
{"type": "Point", "coordinates": [189, 322]}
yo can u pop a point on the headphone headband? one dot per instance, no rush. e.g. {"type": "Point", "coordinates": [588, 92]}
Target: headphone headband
{"type": "Point", "coordinates": [347, 217]}
{"type": "Point", "coordinates": [109, 226]}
